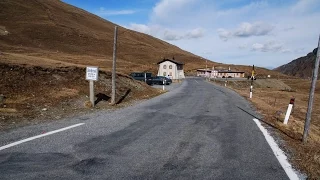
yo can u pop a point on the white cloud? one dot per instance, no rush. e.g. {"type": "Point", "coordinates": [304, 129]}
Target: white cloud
{"type": "Point", "coordinates": [270, 46]}
{"type": "Point", "coordinates": [303, 6]}
{"type": "Point", "coordinates": [195, 33]}
{"type": "Point", "coordinates": [243, 46]}
{"type": "Point", "coordinates": [171, 35]}
{"type": "Point", "coordinates": [170, 10]}
{"type": "Point", "coordinates": [255, 29]}
{"type": "Point", "coordinates": [224, 34]}
{"type": "Point", "coordinates": [104, 12]}
{"type": "Point", "coordinates": [246, 30]}
{"type": "Point", "coordinates": [288, 28]}
{"type": "Point", "coordinates": [167, 34]}
{"type": "Point", "coordinates": [140, 28]}
{"type": "Point", "coordinates": [266, 33]}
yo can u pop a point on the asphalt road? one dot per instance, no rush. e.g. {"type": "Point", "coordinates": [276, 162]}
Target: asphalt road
{"type": "Point", "coordinates": [196, 131]}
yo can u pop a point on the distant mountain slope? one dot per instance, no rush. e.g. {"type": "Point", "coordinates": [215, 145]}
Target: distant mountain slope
{"type": "Point", "coordinates": [301, 67]}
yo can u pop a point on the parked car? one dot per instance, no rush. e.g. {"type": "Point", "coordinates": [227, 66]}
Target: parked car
{"type": "Point", "coordinates": [161, 80]}
{"type": "Point", "coordinates": [142, 76]}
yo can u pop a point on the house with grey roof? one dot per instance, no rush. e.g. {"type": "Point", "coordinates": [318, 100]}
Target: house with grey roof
{"type": "Point", "coordinates": [172, 68]}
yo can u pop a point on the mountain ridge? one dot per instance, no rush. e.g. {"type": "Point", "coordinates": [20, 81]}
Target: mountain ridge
{"type": "Point", "coordinates": [301, 67]}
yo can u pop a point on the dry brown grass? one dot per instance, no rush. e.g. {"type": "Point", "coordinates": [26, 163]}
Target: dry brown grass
{"type": "Point", "coordinates": [34, 94]}
{"type": "Point", "coordinates": [272, 101]}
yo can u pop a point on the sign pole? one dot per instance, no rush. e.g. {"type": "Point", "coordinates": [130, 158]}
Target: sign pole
{"type": "Point", "coordinates": [113, 93]}
{"type": "Point", "coordinates": [311, 95]}
{"type": "Point", "coordinates": [91, 85]}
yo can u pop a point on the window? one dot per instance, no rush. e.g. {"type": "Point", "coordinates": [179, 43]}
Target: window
{"type": "Point", "coordinates": [170, 73]}
{"type": "Point", "coordinates": [170, 66]}
{"type": "Point", "coordinates": [164, 66]}
{"type": "Point", "coordinates": [164, 73]}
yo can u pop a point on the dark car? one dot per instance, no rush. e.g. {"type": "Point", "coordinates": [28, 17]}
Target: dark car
{"type": "Point", "coordinates": [142, 76]}
{"type": "Point", "coordinates": [161, 80]}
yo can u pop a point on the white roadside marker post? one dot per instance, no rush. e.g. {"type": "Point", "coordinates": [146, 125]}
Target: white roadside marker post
{"type": "Point", "coordinates": [145, 77]}
{"type": "Point", "coordinates": [252, 78]}
{"type": "Point", "coordinates": [163, 82]}
{"type": "Point", "coordinates": [291, 104]}
{"type": "Point", "coordinates": [92, 74]}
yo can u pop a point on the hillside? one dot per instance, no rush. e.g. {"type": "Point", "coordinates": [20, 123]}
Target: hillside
{"type": "Point", "coordinates": [54, 33]}
{"type": "Point", "coordinates": [301, 67]}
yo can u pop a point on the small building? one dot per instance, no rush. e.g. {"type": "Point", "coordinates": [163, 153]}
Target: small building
{"type": "Point", "coordinates": [172, 68]}
{"type": "Point", "coordinates": [221, 73]}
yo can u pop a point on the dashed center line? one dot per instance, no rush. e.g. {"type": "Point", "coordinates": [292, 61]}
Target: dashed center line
{"type": "Point", "coordinates": [39, 136]}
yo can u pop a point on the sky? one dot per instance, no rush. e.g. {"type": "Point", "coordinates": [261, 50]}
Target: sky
{"type": "Point", "coordinates": [266, 33]}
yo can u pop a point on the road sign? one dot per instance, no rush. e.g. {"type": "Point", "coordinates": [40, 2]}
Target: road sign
{"type": "Point", "coordinates": [92, 73]}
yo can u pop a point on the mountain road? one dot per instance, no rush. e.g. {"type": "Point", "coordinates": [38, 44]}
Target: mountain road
{"type": "Point", "coordinates": [196, 131]}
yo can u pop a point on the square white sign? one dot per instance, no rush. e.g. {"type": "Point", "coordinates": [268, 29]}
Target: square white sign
{"type": "Point", "coordinates": [92, 73]}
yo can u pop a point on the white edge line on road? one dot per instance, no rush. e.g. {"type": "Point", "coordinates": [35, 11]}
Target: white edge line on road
{"type": "Point", "coordinates": [197, 81]}
{"type": "Point", "coordinates": [39, 136]}
{"type": "Point", "coordinates": [282, 158]}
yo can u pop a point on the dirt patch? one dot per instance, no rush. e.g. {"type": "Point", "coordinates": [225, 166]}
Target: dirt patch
{"type": "Point", "coordinates": [271, 98]}
{"type": "Point", "coordinates": [35, 94]}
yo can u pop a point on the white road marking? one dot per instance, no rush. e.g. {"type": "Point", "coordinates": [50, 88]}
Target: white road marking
{"type": "Point", "coordinates": [39, 136]}
{"type": "Point", "coordinates": [197, 81]}
{"type": "Point", "coordinates": [282, 158]}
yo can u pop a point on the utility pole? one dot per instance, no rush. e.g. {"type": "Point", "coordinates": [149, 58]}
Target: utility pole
{"type": "Point", "coordinates": [113, 93]}
{"type": "Point", "coordinates": [311, 95]}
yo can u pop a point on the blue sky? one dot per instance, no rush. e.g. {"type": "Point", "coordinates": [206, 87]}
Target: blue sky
{"type": "Point", "coordinates": [261, 32]}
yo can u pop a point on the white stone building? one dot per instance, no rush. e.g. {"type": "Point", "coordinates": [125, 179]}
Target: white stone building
{"type": "Point", "coordinates": [172, 68]}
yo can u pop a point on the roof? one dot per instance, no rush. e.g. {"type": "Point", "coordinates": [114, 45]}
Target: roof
{"type": "Point", "coordinates": [173, 61]}
{"type": "Point", "coordinates": [221, 71]}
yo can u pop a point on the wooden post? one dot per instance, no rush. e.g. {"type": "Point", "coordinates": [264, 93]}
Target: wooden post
{"type": "Point", "coordinates": [91, 85]}
{"type": "Point", "coordinates": [311, 95]}
{"type": "Point", "coordinates": [113, 93]}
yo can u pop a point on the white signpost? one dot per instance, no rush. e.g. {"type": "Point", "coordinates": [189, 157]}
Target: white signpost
{"type": "Point", "coordinates": [92, 74]}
